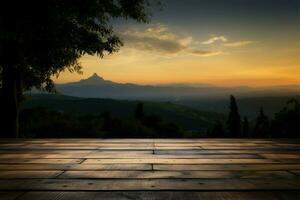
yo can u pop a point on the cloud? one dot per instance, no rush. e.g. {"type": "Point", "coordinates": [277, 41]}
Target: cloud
{"type": "Point", "coordinates": [215, 39]}
{"type": "Point", "coordinates": [153, 44]}
{"type": "Point", "coordinates": [158, 38]}
{"type": "Point", "coordinates": [239, 44]}
{"type": "Point", "coordinates": [205, 53]}
{"type": "Point", "coordinates": [226, 42]}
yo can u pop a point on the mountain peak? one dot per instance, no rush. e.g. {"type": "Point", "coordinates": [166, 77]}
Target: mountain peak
{"type": "Point", "coordinates": [95, 76]}
{"type": "Point", "coordinates": [95, 79]}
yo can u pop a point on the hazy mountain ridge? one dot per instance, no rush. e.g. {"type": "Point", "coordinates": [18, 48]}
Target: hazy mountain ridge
{"type": "Point", "coordinates": [97, 87]}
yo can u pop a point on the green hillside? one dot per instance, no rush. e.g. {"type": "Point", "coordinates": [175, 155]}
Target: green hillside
{"type": "Point", "coordinates": [187, 118]}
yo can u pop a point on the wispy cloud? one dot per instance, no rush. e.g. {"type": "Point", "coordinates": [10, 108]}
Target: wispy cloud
{"type": "Point", "coordinates": [156, 38]}
{"type": "Point", "coordinates": [159, 38]}
{"type": "Point", "coordinates": [226, 42]}
{"type": "Point", "coordinates": [205, 53]}
{"type": "Point", "coordinates": [148, 43]}
{"type": "Point", "coordinates": [215, 39]}
{"type": "Point", "coordinates": [239, 43]}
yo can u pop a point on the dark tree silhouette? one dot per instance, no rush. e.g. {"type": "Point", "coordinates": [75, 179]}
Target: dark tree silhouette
{"type": "Point", "coordinates": [234, 119]}
{"type": "Point", "coordinates": [287, 121]}
{"type": "Point", "coordinates": [39, 39]}
{"type": "Point", "coordinates": [217, 130]}
{"type": "Point", "coordinates": [262, 125]}
{"type": "Point", "coordinates": [139, 111]}
{"type": "Point", "coordinates": [246, 127]}
{"type": "Point", "coordinates": [108, 121]}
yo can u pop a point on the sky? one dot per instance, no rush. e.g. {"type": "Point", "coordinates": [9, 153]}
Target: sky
{"type": "Point", "coordinates": [221, 42]}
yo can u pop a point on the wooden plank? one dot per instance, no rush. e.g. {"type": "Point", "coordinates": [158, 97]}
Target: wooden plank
{"type": "Point", "coordinates": [34, 166]}
{"type": "Point", "coordinates": [149, 184]}
{"type": "Point", "coordinates": [50, 161]}
{"type": "Point", "coordinates": [162, 195]}
{"type": "Point", "coordinates": [111, 167]}
{"type": "Point", "coordinates": [126, 148]}
{"type": "Point", "coordinates": [29, 174]}
{"type": "Point", "coordinates": [55, 145]}
{"type": "Point", "coordinates": [156, 156]}
{"type": "Point", "coordinates": [209, 156]}
{"type": "Point", "coordinates": [172, 140]}
{"type": "Point", "coordinates": [7, 167]}
{"type": "Point", "coordinates": [43, 154]}
{"type": "Point", "coordinates": [288, 160]}
{"type": "Point", "coordinates": [10, 195]}
{"type": "Point", "coordinates": [296, 172]}
{"type": "Point", "coordinates": [177, 161]}
{"type": "Point", "coordinates": [227, 151]}
{"type": "Point", "coordinates": [241, 147]}
{"type": "Point", "coordinates": [91, 154]}
{"type": "Point", "coordinates": [174, 174]}
{"type": "Point", "coordinates": [231, 167]}
{"type": "Point", "coordinates": [218, 144]}
{"type": "Point", "coordinates": [280, 155]}
{"type": "Point", "coordinates": [25, 148]}
{"type": "Point", "coordinates": [223, 140]}
{"type": "Point", "coordinates": [178, 148]}
{"type": "Point", "coordinates": [20, 156]}
{"type": "Point", "coordinates": [119, 154]}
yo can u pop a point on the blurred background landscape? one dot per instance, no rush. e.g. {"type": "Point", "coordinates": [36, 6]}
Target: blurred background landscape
{"type": "Point", "coordinates": [95, 107]}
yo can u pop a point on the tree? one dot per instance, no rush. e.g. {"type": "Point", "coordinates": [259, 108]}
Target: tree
{"type": "Point", "coordinates": [245, 127]}
{"type": "Point", "coordinates": [287, 121]}
{"type": "Point", "coordinates": [39, 39]}
{"type": "Point", "coordinates": [139, 111]}
{"type": "Point", "coordinates": [262, 125]}
{"type": "Point", "coordinates": [217, 130]}
{"type": "Point", "coordinates": [234, 119]}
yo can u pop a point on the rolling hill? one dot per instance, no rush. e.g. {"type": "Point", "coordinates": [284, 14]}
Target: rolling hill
{"type": "Point", "coordinates": [188, 118]}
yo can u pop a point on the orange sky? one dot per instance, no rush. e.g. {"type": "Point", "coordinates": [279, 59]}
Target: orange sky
{"type": "Point", "coordinates": [254, 43]}
{"type": "Point", "coordinates": [221, 62]}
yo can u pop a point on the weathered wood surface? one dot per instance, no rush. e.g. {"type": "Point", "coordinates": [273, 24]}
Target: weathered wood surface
{"type": "Point", "coordinates": [60, 169]}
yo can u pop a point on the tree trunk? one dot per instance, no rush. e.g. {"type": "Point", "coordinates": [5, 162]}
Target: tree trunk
{"type": "Point", "coordinates": [10, 104]}
{"type": "Point", "coordinates": [11, 77]}
{"type": "Point", "coordinates": [10, 87]}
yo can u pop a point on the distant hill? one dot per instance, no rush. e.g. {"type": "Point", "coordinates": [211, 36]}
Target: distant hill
{"type": "Point", "coordinates": [188, 118]}
{"type": "Point", "coordinates": [97, 87]}
{"type": "Point", "coordinates": [99, 92]}
{"type": "Point", "coordinates": [248, 106]}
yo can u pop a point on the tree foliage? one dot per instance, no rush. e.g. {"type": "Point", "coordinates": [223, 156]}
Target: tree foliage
{"type": "Point", "coordinates": [245, 127]}
{"type": "Point", "coordinates": [40, 39]}
{"type": "Point", "coordinates": [139, 111]}
{"type": "Point", "coordinates": [286, 123]}
{"type": "Point", "coordinates": [50, 37]}
{"type": "Point", "coordinates": [234, 119]}
{"type": "Point", "coordinates": [262, 125]}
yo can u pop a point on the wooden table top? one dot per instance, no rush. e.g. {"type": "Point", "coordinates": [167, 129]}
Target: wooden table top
{"type": "Point", "coordinates": [61, 169]}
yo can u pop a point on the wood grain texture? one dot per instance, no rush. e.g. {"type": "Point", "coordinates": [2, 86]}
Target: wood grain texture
{"type": "Point", "coordinates": [174, 174]}
{"type": "Point", "coordinates": [158, 195]}
{"type": "Point", "coordinates": [60, 169]}
{"type": "Point", "coordinates": [149, 184]}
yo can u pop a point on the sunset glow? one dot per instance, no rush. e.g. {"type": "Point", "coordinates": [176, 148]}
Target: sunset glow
{"type": "Point", "coordinates": [253, 43]}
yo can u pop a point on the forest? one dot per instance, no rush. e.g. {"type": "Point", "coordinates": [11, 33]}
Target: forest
{"type": "Point", "coordinates": [39, 121]}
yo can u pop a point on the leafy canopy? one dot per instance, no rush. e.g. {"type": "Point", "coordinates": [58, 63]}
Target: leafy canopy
{"type": "Point", "coordinates": [50, 36]}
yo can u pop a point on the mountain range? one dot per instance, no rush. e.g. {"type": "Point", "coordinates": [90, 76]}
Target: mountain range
{"type": "Point", "coordinates": [97, 87]}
